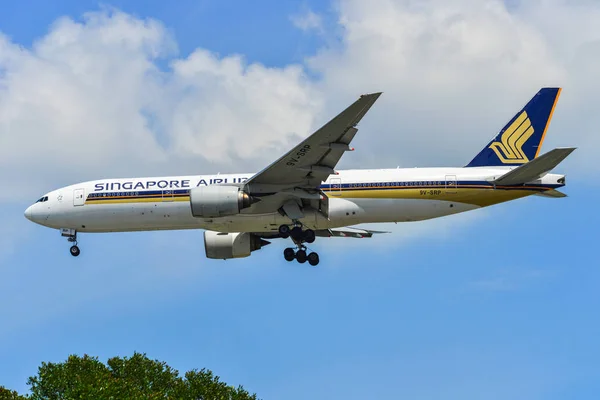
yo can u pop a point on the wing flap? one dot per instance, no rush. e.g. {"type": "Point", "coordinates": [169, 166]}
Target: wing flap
{"type": "Point", "coordinates": [354, 233]}
{"type": "Point", "coordinates": [535, 168]}
{"type": "Point", "coordinates": [337, 150]}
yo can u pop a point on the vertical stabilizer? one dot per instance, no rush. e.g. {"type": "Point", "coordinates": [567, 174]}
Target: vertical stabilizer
{"type": "Point", "coordinates": [520, 141]}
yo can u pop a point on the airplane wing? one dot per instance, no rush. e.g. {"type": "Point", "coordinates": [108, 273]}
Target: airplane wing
{"type": "Point", "coordinates": [354, 233]}
{"type": "Point", "coordinates": [348, 232]}
{"type": "Point", "coordinates": [314, 159]}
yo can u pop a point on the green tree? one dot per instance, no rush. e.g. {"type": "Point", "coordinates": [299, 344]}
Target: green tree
{"type": "Point", "coordinates": [204, 385]}
{"type": "Point", "coordinates": [6, 394]}
{"type": "Point", "coordinates": [137, 377]}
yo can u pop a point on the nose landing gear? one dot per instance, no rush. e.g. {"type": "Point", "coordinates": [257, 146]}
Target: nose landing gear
{"type": "Point", "coordinates": [74, 250]}
{"type": "Point", "coordinates": [299, 237]}
{"type": "Point", "coordinates": [71, 235]}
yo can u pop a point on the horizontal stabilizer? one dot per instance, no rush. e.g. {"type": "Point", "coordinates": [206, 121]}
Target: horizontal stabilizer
{"type": "Point", "coordinates": [555, 194]}
{"type": "Point", "coordinates": [355, 233]}
{"type": "Point", "coordinates": [535, 168]}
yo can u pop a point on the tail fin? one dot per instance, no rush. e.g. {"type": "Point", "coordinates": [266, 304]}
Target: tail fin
{"type": "Point", "coordinates": [520, 141]}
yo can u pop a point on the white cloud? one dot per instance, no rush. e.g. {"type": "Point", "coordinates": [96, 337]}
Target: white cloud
{"type": "Point", "coordinates": [89, 100]}
{"type": "Point", "coordinates": [223, 109]}
{"type": "Point", "coordinates": [74, 101]}
{"type": "Point", "coordinates": [454, 71]}
{"type": "Point", "coordinates": [308, 21]}
{"type": "Point", "coordinates": [93, 98]}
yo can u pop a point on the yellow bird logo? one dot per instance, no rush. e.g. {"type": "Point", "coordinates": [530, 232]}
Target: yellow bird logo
{"type": "Point", "coordinates": [510, 148]}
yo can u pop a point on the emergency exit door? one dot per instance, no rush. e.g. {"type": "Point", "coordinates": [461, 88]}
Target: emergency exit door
{"type": "Point", "coordinates": [335, 187]}
{"type": "Point", "coordinates": [451, 184]}
{"type": "Point", "coordinates": [168, 195]}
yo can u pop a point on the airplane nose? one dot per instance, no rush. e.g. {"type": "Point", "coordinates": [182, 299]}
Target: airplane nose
{"type": "Point", "coordinates": [28, 213]}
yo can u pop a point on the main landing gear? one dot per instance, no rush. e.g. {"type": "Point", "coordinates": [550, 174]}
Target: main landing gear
{"type": "Point", "coordinates": [299, 237]}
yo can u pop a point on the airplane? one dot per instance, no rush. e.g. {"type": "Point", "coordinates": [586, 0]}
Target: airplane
{"type": "Point", "coordinates": [302, 196]}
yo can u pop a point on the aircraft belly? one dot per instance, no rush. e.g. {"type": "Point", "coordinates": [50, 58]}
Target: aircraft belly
{"type": "Point", "coordinates": [177, 215]}
{"type": "Point", "coordinates": [346, 212]}
{"type": "Point", "coordinates": [161, 216]}
{"type": "Point", "coordinates": [391, 210]}
{"type": "Point", "coordinates": [132, 217]}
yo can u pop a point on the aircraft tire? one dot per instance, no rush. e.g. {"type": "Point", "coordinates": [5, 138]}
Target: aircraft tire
{"type": "Point", "coordinates": [309, 236]}
{"type": "Point", "coordinates": [313, 259]}
{"type": "Point", "coordinates": [74, 250]}
{"type": "Point", "coordinates": [296, 233]}
{"type": "Point", "coordinates": [301, 256]}
{"type": "Point", "coordinates": [284, 231]}
{"type": "Point", "coordinates": [289, 254]}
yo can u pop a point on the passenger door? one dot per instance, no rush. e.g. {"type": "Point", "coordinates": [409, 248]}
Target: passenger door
{"type": "Point", "coordinates": [78, 197]}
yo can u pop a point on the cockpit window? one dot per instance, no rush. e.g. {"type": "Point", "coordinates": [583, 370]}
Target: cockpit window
{"type": "Point", "coordinates": [43, 199]}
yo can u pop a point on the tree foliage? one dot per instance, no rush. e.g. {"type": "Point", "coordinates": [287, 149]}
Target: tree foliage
{"type": "Point", "coordinates": [6, 394]}
{"type": "Point", "coordinates": [136, 377]}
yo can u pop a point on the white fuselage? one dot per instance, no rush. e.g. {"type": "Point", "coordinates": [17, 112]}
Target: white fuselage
{"type": "Point", "coordinates": [355, 197]}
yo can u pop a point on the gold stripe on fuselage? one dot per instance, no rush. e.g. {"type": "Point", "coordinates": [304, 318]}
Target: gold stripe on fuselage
{"type": "Point", "coordinates": [122, 200]}
{"type": "Point", "coordinates": [481, 196]}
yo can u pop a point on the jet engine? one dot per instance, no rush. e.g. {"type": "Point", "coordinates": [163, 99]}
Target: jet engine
{"type": "Point", "coordinates": [219, 201]}
{"type": "Point", "coordinates": [231, 245]}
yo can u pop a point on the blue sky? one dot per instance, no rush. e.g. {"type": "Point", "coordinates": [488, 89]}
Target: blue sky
{"type": "Point", "coordinates": [264, 25]}
{"type": "Point", "coordinates": [494, 304]}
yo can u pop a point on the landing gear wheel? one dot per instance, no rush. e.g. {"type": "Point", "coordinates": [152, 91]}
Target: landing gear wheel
{"type": "Point", "coordinates": [313, 259]}
{"type": "Point", "coordinates": [284, 231]}
{"type": "Point", "coordinates": [289, 254]}
{"type": "Point", "coordinates": [74, 251]}
{"type": "Point", "coordinates": [301, 256]}
{"type": "Point", "coordinates": [296, 233]}
{"type": "Point", "coordinates": [309, 236]}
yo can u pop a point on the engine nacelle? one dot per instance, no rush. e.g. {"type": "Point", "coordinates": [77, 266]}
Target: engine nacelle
{"type": "Point", "coordinates": [219, 201]}
{"type": "Point", "coordinates": [231, 245]}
